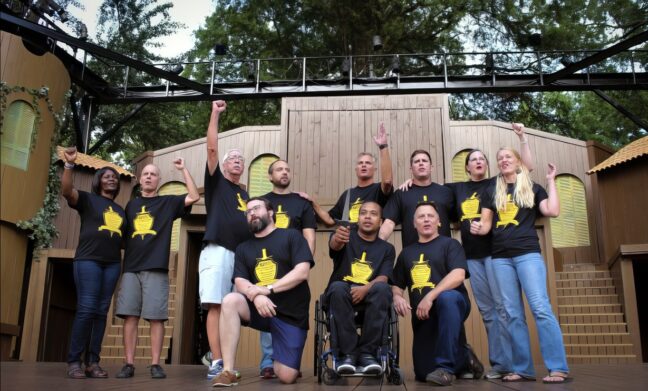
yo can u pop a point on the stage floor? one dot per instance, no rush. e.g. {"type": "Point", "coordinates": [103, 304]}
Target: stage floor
{"type": "Point", "coordinates": [17, 376]}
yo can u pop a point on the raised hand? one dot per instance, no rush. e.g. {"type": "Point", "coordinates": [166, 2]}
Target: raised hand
{"type": "Point", "coordinates": [219, 106]}
{"type": "Point", "coordinates": [70, 154]}
{"type": "Point", "coordinates": [179, 163]}
{"type": "Point", "coordinates": [551, 175]}
{"type": "Point", "coordinates": [518, 129]}
{"type": "Point", "coordinates": [381, 137]}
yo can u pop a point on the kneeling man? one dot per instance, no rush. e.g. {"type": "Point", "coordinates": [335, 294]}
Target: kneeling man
{"type": "Point", "coordinates": [433, 269]}
{"type": "Point", "coordinates": [272, 294]}
{"type": "Point", "coordinates": [362, 265]}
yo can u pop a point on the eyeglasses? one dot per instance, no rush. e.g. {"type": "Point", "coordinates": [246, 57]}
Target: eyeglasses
{"type": "Point", "coordinates": [231, 158]}
{"type": "Point", "coordinates": [254, 209]}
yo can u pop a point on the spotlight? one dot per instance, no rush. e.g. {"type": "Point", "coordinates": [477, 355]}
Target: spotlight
{"type": "Point", "coordinates": [220, 49]}
{"type": "Point", "coordinates": [377, 43]}
{"type": "Point", "coordinates": [489, 63]}
{"type": "Point", "coordinates": [395, 64]}
{"type": "Point", "coordinates": [535, 40]}
{"type": "Point", "coordinates": [566, 60]}
{"type": "Point", "coordinates": [177, 69]}
{"type": "Point", "coordinates": [82, 31]}
{"type": "Point", "coordinates": [251, 70]}
{"type": "Point", "coordinates": [346, 67]}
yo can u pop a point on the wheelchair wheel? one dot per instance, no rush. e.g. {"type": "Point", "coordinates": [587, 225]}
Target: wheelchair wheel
{"type": "Point", "coordinates": [329, 376]}
{"type": "Point", "coordinates": [396, 376]}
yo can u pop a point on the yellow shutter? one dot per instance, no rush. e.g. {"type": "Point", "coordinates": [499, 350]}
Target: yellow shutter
{"type": "Point", "coordinates": [174, 188]}
{"type": "Point", "coordinates": [18, 124]}
{"type": "Point", "coordinates": [258, 183]}
{"type": "Point", "coordinates": [571, 228]}
{"type": "Point", "coordinates": [459, 173]}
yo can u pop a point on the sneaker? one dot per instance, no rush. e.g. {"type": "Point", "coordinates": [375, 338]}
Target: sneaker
{"type": "Point", "coordinates": [475, 367]}
{"type": "Point", "coordinates": [225, 379]}
{"type": "Point", "coordinates": [127, 371]}
{"type": "Point", "coordinates": [207, 359]}
{"type": "Point", "coordinates": [368, 365]}
{"type": "Point", "coordinates": [346, 366]}
{"type": "Point", "coordinates": [440, 377]}
{"type": "Point", "coordinates": [267, 373]}
{"type": "Point", "coordinates": [215, 369]}
{"type": "Point", "coordinates": [495, 374]}
{"type": "Point", "coordinates": [157, 372]}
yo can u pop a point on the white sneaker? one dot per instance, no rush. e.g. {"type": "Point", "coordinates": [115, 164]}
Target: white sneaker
{"type": "Point", "coordinates": [207, 359]}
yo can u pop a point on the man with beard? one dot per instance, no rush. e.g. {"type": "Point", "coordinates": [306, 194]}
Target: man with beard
{"type": "Point", "coordinates": [225, 228]}
{"type": "Point", "coordinates": [291, 211]}
{"type": "Point", "coordinates": [366, 190]}
{"type": "Point", "coordinates": [362, 265]}
{"type": "Point", "coordinates": [272, 294]}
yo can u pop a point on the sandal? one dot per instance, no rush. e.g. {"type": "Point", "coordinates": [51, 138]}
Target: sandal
{"type": "Point", "coordinates": [516, 378]}
{"type": "Point", "coordinates": [74, 371]}
{"type": "Point", "coordinates": [563, 378]}
{"type": "Point", "coordinates": [95, 371]}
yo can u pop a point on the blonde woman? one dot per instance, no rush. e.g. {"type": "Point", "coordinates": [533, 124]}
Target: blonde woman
{"type": "Point", "coordinates": [510, 208]}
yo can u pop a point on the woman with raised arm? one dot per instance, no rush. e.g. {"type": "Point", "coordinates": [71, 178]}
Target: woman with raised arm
{"type": "Point", "coordinates": [510, 207]}
{"type": "Point", "coordinates": [96, 264]}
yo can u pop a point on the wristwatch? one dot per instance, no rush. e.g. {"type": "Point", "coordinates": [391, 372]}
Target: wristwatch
{"type": "Point", "coordinates": [270, 288]}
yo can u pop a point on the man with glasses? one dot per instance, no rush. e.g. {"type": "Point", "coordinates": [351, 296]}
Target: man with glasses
{"type": "Point", "coordinates": [272, 294]}
{"type": "Point", "coordinates": [225, 229]}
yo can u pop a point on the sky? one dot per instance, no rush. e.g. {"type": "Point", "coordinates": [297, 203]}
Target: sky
{"type": "Point", "coordinates": [191, 13]}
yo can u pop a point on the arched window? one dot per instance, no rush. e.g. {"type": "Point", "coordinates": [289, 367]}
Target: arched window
{"type": "Point", "coordinates": [258, 183]}
{"type": "Point", "coordinates": [570, 229]}
{"type": "Point", "coordinates": [174, 188]}
{"type": "Point", "coordinates": [459, 173]}
{"type": "Point", "coordinates": [18, 124]}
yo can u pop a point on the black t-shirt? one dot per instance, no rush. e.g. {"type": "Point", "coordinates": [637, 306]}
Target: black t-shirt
{"type": "Point", "coordinates": [262, 261]}
{"type": "Point", "coordinates": [102, 222]}
{"type": "Point", "coordinates": [292, 211]}
{"type": "Point", "coordinates": [514, 232]}
{"type": "Point", "coordinates": [421, 266]}
{"type": "Point", "coordinates": [360, 261]}
{"type": "Point", "coordinates": [468, 203]}
{"type": "Point", "coordinates": [148, 233]}
{"type": "Point", "coordinates": [225, 202]}
{"type": "Point", "coordinates": [401, 206]}
{"type": "Point", "coordinates": [359, 195]}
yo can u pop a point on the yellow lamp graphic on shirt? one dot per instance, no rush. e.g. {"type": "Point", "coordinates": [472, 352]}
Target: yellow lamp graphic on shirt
{"type": "Point", "coordinates": [420, 274]}
{"type": "Point", "coordinates": [354, 212]}
{"type": "Point", "coordinates": [265, 269]}
{"type": "Point", "coordinates": [143, 223]}
{"type": "Point", "coordinates": [242, 205]}
{"type": "Point", "coordinates": [470, 208]}
{"type": "Point", "coordinates": [361, 271]}
{"type": "Point", "coordinates": [508, 214]}
{"type": "Point", "coordinates": [112, 222]}
{"type": "Point", "coordinates": [282, 220]}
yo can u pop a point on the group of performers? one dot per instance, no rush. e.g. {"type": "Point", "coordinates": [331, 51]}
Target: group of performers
{"type": "Point", "coordinates": [258, 253]}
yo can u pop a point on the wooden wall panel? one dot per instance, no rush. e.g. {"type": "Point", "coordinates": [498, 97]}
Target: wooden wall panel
{"type": "Point", "coordinates": [13, 247]}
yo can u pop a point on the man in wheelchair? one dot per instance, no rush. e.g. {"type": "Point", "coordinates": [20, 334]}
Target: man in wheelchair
{"type": "Point", "coordinates": [362, 265]}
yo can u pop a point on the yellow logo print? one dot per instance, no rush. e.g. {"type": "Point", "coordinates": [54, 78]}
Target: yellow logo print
{"type": "Point", "coordinates": [282, 220]}
{"type": "Point", "coordinates": [420, 274]}
{"type": "Point", "coordinates": [361, 270]}
{"type": "Point", "coordinates": [265, 269]}
{"type": "Point", "coordinates": [242, 206]}
{"type": "Point", "coordinates": [143, 223]}
{"type": "Point", "coordinates": [508, 215]}
{"type": "Point", "coordinates": [354, 211]}
{"type": "Point", "coordinates": [112, 222]}
{"type": "Point", "coordinates": [470, 208]}
{"type": "Point", "coordinates": [425, 198]}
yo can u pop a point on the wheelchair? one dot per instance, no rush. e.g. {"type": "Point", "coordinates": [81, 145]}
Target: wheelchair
{"type": "Point", "coordinates": [325, 353]}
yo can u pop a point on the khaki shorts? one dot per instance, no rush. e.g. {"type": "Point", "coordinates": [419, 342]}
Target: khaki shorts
{"type": "Point", "coordinates": [144, 294]}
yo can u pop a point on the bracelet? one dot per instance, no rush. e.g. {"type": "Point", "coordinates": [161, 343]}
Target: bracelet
{"type": "Point", "coordinates": [69, 166]}
{"type": "Point", "coordinates": [382, 146]}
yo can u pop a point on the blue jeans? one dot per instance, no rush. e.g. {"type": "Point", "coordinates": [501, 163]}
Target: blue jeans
{"type": "Point", "coordinates": [491, 308]}
{"type": "Point", "coordinates": [266, 350]}
{"type": "Point", "coordinates": [529, 273]}
{"type": "Point", "coordinates": [95, 284]}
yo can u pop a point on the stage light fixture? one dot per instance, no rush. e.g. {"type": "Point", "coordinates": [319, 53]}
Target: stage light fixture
{"type": "Point", "coordinates": [377, 43]}
{"type": "Point", "coordinates": [251, 70]}
{"type": "Point", "coordinates": [177, 69]}
{"type": "Point", "coordinates": [395, 64]}
{"type": "Point", "coordinates": [346, 67]}
{"type": "Point", "coordinates": [220, 49]}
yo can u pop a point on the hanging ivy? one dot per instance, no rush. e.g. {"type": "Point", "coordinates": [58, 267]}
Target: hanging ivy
{"type": "Point", "coordinates": [43, 230]}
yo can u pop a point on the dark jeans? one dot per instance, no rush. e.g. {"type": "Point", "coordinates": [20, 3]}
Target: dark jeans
{"type": "Point", "coordinates": [438, 340]}
{"type": "Point", "coordinates": [95, 284]}
{"type": "Point", "coordinates": [341, 314]}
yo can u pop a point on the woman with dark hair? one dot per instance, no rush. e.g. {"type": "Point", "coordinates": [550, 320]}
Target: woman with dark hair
{"type": "Point", "coordinates": [510, 208]}
{"type": "Point", "coordinates": [96, 264]}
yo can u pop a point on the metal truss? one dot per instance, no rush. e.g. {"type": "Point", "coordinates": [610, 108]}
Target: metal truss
{"type": "Point", "coordinates": [615, 68]}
